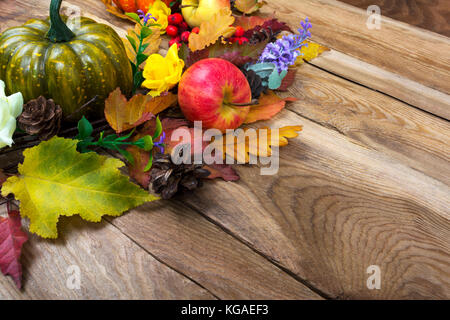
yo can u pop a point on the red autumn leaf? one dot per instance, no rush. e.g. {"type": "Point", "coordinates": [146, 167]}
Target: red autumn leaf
{"type": "Point", "coordinates": [249, 22]}
{"type": "Point", "coordinates": [273, 24]}
{"type": "Point", "coordinates": [11, 240]}
{"type": "Point", "coordinates": [288, 79]}
{"type": "Point", "coordinates": [224, 171]}
{"type": "Point", "coordinates": [269, 105]}
{"type": "Point", "coordinates": [142, 157]}
{"type": "Point", "coordinates": [195, 142]}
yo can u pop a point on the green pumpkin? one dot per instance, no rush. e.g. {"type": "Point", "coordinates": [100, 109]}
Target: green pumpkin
{"type": "Point", "coordinates": [68, 64]}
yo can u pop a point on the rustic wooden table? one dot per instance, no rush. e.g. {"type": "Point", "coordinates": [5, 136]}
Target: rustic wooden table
{"type": "Point", "coordinates": [366, 183]}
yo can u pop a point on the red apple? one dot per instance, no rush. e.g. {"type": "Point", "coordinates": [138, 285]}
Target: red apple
{"type": "Point", "coordinates": [213, 91]}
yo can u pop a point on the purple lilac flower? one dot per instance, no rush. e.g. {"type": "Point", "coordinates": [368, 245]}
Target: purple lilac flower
{"type": "Point", "coordinates": [146, 17]}
{"type": "Point", "coordinates": [160, 142]}
{"type": "Point", "coordinates": [284, 52]}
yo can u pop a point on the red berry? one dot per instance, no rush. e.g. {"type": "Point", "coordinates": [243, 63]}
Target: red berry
{"type": "Point", "coordinates": [185, 36]}
{"type": "Point", "coordinates": [175, 40]}
{"type": "Point", "coordinates": [242, 40]}
{"type": "Point", "coordinates": [184, 26]}
{"type": "Point", "coordinates": [172, 31]}
{"type": "Point", "coordinates": [233, 39]}
{"type": "Point", "coordinates": [239, 32]}
{"type": "Point", "coordinates": [175, 19]}
{"type": "Point", "coordinates": [196, 30]}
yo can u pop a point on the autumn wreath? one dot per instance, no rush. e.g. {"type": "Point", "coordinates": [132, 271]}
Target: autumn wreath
{"type": "Point", "coordinates": [84, 102]}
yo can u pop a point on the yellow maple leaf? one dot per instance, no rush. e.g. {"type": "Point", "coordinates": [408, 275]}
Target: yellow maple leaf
{"type": "Point", "coordinates": [212, 30]}
{"type": "Point", "coordinates": [248, 6]}
{"type": "Point", "coordinates": [313, 50]}
{"type": "Point", "coordinates": [123, 115]}
{"type": "Point", "coordinates": [55, 180]}
{"type": "Point", "coordinates": [247, 142]}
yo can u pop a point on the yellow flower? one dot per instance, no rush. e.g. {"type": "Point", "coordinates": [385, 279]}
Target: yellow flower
{"type": "Point", "coordinates": [161, 12]}
{"type": "Point", "coordinates": [163, 73]}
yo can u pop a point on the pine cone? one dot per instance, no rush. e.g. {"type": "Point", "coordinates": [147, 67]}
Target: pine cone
{"type": "Point", "coordinates": [259, 34]}
{"type": "Point", "coordinates": [41, 117]}
{"type": "Point", "coordinates": [255, 83]}
{"type": "Point", "coordinates": [167, 178]}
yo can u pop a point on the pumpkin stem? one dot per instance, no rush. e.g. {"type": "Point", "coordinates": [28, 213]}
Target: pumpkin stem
{"type": "Point", "coordinates": [59, 32]}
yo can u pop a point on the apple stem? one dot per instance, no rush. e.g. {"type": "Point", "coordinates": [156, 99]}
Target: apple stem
{"type": "Point", "coordinates": [252, 103]}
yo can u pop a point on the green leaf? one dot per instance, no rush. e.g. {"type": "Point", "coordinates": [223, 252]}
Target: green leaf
{"type": "Point", "coordinates": [146, 32]}
{"type": "Point", "coordinates": [158, 129]}
{"type": "Point", "coordinates": [126, 137]}
{"type": "Point", "coordinates": [264, 70]}
{"type": "Point", "coordinates": [132, 42]}
{"type": "Point", "coordinates": [140, 58]}
{"type": "Point", "coordinates": [276, 78]}
{"type": "Point", "coordinates": [148, 143]}
{"type": "Point", "coordinates": [127, 155]}
{"type": "Point", "coordinates": [85, 129]}
{"type": "Point", "coordinates": [55, 180]}
{"type": "Point", "coordinates": [134, 16]}
{"type": "Point", "coordinates": [110, 137]}
{"type": "Point", "coordinates": [149, 164]}
{"type": "Point", "coordinates": [138, 79]}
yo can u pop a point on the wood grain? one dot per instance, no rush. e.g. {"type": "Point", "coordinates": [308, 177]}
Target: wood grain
{"type": "Point", "coordinates": [111, 267]}
{"type": "Point", "coordinates": [433, 15]}
{"type": "Point", "coordinates": [416, 54]}
{"type": "Point", "coordinates": [365, 184]}
{"type": "Point", "coordinates": [409, 135]}
{"type": "Point", "coordinates": [189, 243]}
{"type": "Point", "coordinates": [389, 83]}
{"type": "Point", "coordinates": [335, 208]}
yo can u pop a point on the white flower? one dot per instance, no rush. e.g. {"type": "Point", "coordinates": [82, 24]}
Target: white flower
{"type": "Point", "coordinates": [10, 109]}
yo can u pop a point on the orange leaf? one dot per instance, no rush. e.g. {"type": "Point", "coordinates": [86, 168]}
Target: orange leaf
{"type": "Point", "coordinates": [248, 6]}
{"type": "Point", "coordinates": [250, 22]}
{"type": "Point", "coordinates": [224, 171]}
{"type": "Point", "coordinates": [269, 105]}
{"type": "Point", "coordinates": [212, 30]}
{"type": "Point", "coordinates": [123, 115]}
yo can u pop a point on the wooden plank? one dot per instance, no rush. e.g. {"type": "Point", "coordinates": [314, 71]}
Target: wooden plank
{"type": "Point", "coordinates": [337, 206]}
{"type": "Point", "coordinates": [418, 55]}
{"type": "Point", "coordinates": [13, 13]}
{"type": "Point", "coordinates": [392, 84]}
{"type": "Point", "coordinates": [236, 271]}
{"type": "Point", "coordinates": [189, 243]}
{"type": "Point", "coordinates": [430, 15]}
{"type": "Point", "coordinates": [111, 267]}
{"type": "Point", "coordinates": [415, 138]}
{"type": "Point", "coordinates": [334, 209]}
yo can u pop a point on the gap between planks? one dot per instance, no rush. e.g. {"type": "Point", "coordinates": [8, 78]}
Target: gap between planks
{"type": "Point", "coordinates": [398, 55]}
